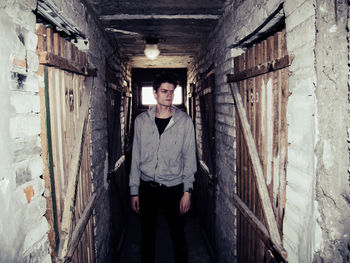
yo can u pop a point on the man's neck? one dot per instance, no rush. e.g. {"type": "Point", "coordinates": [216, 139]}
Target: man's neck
{"type": "Point", "coordinates": [163, 112]}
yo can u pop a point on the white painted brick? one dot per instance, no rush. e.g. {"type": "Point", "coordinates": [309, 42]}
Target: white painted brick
{"type": "Point", "coordinates": [299, 117]}
{"type": "Point", "coordinates": [304, 58]}
{"type": "Point", "coordinates": [302, 85]}
{"type": "Point", "coordinates": [36, 234]}
{"type": "Point", "coordinates": [36, 167]}
{"type": "Point", "coordinates": [25, 103]}
{"type": "Point", "coordinates": [31, 41]}
{"type": "Point", "coordinates": [32, 61]}
{"type": "Point", "coordinates": [300, 159]}
{"type": "Point", "coordinates": [35, 211]}
{"type": "Point", "coordinates": [25, 125]}
{"type": "Point", "coordinates": [31, 83]}
{"type": "Point", "coordinates": [302, 13]}
{"type": "Point", "coordinates": [291, 5]}
{"type": "Point", "coordinates": [306, 30]}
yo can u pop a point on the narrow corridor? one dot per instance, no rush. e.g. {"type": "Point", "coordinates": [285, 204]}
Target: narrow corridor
{"type": "Point", "coordinates": [198, 252]}
{"type": "Point", "coordinates": [265, 82]}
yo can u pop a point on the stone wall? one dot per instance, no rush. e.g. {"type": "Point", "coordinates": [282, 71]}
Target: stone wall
{"type": "Point", "coordinates": [23, 227]}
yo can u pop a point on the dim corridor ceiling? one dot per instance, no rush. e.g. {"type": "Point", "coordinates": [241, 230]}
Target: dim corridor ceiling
{"type": "Point", "coordinates": [180, 25]}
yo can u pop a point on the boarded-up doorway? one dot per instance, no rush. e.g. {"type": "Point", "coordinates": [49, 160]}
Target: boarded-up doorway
{"type": "Point", "coordinates": [261, 76]}
{"type": "Point", "coordinates": [66, 143]}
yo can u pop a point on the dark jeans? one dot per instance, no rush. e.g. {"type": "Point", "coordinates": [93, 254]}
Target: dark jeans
{"type": "Point", "coordinates": [167, 198]}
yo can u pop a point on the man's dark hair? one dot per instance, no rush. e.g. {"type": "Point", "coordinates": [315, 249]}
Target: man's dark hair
{"type": "Point", "coordinates": [163, 78]}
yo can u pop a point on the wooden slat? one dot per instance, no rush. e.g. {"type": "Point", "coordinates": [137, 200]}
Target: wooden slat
{"type": "Point", "coordinates": [45, 134]}
{"type": "Point", "coordinates": [260, 229]}
{"type": "Point", "coordinates": [81, 226]}
{"type": "Point", "coordinates": [258, 173]}
{"type": "Point", "coordinates": [72, 178]}
{"type": "Point", "coordinates": [55, 141]}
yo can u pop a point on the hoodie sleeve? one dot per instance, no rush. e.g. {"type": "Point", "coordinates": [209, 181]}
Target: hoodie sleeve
{"type": "Point", "coordinates": [135, 173]}
{"type": "Point", "coordinates": [189, 156]}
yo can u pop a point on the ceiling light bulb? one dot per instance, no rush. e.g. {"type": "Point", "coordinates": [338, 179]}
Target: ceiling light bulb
{"type": "Point", "coordinates": [152, 51]}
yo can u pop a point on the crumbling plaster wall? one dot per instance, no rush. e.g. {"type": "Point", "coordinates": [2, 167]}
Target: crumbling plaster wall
{"type": "Point", "coordinates": [301, 232]}
{"type": "Point", "coordinates": [23, 227]}
{"type": "Point", "coordinates": [333, 119]}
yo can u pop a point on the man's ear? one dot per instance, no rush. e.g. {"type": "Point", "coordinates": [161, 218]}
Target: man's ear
{"type": "Point", "coordinates": [155, 94]}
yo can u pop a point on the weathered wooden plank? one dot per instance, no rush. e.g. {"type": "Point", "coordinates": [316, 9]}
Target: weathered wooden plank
{"type": "Point", "coordinates": [259, 178]}
{"type": "Point", "coordinates": [267, 67]}
{"type": "Point", "coordinates": [50, 59]}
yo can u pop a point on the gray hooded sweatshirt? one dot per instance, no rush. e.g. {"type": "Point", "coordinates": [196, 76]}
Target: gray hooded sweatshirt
{"type": "Point", "coordinates": [169, 159]}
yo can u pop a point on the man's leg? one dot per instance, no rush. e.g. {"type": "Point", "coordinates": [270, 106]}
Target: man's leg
{"type": "Point", "coordinates": [176, 223]}
{"type": "Point", "coordinates": [148, 215]}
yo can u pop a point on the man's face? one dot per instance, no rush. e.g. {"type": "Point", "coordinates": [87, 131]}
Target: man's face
{"type": "Point", "coordinates": [165, 94]}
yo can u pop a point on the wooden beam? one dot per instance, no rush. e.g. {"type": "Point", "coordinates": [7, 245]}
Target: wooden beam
{"type": "Point", "coordinates": [81, 225]}
{"type": "Point", "coordinates": [258, 172]}
{"type": "Point", "coordinates": [69, 201]}
{"type": "Point", "coordinates": [278, 251]}
{"type": "Point", "coordinates": [269, 66]}
{"type": "Point", "coordinates": [146, 17]}
{"type": "Point", "coordinates": [50, 59]}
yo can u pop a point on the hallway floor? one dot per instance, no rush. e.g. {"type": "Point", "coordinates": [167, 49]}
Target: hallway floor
{"type": "Point", "coordinates": [197, 248]}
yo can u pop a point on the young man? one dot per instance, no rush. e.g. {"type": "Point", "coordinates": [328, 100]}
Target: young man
{"type": "Point", "coordinates": [162, 169]}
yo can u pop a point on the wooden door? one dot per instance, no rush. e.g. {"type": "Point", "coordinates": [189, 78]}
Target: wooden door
{"type": "Point", "coordinates": [261, 79]}
{"type": "Point", "coordinates": [66, 143]}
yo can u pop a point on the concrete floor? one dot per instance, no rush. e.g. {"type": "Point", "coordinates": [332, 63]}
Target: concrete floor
{"type": "Point", "coordinates": [197, 248]}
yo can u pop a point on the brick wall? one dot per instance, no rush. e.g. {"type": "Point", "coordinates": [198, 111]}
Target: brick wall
{"type": "Point", "coordinates": [23, 227]}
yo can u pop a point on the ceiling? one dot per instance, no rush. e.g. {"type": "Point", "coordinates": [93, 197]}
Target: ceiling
{"type": "Point", "coordinates": [180, 25]}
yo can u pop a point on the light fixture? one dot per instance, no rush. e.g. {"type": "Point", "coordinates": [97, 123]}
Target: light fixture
{"type": "Point", "coordinates": [151, 50]}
